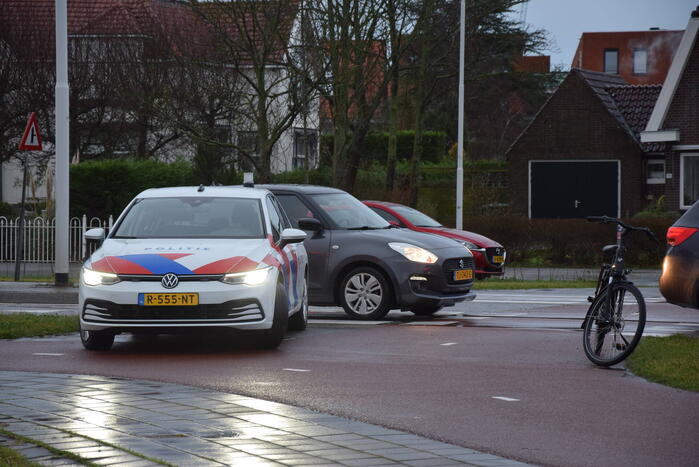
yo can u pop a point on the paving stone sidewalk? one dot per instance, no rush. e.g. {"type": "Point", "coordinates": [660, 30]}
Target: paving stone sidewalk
{"type": "Point", "coordinates": [110, 421]}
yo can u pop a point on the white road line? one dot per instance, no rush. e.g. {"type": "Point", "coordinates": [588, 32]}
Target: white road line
{"type": "Point", "coordinates": [448, 344]}
{"type": "Point", "coordinates": [506, 399]}
{"type": "Point", "coordinates": [298, 370]}
{"type": "Point", "coordinates": [46, 354]}
{"type": "Point", "coordinates": [347, 321]}
{"type": "Point", "coordinates": [430, 323]}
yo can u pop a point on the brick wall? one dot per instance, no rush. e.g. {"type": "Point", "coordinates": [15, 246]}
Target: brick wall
{"type": "Point", "coordinates": [684, 109]}
{"type": "Point", "coordinates": [574, 125]}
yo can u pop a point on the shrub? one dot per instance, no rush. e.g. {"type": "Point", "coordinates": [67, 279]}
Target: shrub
{"type": "Point", "coordinates": [7, 210]}
{"type": "Point", "coordinates": [101, 188]}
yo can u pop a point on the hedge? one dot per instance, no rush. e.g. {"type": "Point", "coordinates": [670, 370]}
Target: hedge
{"type": "Point", "coordinates": [101, 188]}
{"type": "Point", "coordinates": [374, 148]}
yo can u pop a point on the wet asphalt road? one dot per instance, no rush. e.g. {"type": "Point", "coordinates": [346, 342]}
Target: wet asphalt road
{"type": "Point", "coordinates": [505, 374]}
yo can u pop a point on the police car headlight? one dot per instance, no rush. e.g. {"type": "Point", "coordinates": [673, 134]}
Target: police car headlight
{"type": "Point", "coordinates": [90, 277]}
{"type": "Point", "coordinates": [256, 277]}
{"type": "Point", "coordinates": [414, 253]}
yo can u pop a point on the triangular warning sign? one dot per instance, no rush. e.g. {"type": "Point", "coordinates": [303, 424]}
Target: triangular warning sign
{"type": "Point", "coordinates": [31, 139]}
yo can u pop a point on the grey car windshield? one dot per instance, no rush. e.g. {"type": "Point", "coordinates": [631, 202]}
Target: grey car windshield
{"type": "Point", "coordinates": [415, 217]}
{"type": "Point", "coordinates": [204, 217]}
{"type": "Point", "coordinates": [348, 212]}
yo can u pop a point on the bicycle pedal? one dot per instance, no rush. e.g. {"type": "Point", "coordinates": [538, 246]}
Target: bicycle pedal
{"type": "Point", "coordinates": [620, 346]}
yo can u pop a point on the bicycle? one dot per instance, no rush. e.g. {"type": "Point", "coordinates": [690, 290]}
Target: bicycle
{"type": "Point", "coordinates": [609, 335]}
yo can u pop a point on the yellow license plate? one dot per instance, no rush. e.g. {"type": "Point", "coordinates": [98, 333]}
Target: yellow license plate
{"type": "Point", "coordinates": [168, 299]}
{"type": "Point", "coordinates": [498, 259]}
{"type": "Point", "coordinates": [463, 274]}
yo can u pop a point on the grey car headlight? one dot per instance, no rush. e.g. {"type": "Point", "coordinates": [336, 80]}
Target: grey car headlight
{"type": "Point", "coordinates": [414, 253]}
{"type": "Point", "coordinates": [90, 277]}
{"type": "Point", "coordinates": [255, 277]}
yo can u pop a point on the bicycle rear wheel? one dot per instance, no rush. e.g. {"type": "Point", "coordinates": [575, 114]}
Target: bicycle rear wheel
{"type": "Point", "coordinates": [610, 335]}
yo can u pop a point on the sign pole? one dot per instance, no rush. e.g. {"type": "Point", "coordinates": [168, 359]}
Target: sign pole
{"type": "Point", "coordinates": [19, 254]}
{"type": "Point", "coordinates": [62, 271]}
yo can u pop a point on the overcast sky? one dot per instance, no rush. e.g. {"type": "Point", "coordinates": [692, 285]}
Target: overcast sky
{"type": "Point", "coordinates": [566, 20]}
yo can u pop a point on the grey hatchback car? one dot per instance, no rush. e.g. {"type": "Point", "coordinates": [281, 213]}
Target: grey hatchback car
{"type": "Point", "coordinates": [368, 266]}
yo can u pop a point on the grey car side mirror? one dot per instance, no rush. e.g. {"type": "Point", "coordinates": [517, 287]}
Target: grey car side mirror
{"type": "Point", "coordinates": [310, 223]}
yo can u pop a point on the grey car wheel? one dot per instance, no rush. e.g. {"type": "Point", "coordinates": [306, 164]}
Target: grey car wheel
{"type": "Point", "coordinates": [365, 294]}
{"type": "Point", "coordinates": [299, 320]}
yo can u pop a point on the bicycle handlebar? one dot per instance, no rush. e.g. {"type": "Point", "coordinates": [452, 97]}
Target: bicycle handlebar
{"type": "Point", "coordinates": [613, 220]}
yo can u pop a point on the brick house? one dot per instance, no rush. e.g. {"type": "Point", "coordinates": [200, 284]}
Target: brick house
{"type": "Point", "coordinates": [640, 57]}
{"type": "Point", "coordinates": [581, 154]}
{"type": "Point", "coordinates": [600, 146]}
{"type": "Point", "coordinates": [674, 123]}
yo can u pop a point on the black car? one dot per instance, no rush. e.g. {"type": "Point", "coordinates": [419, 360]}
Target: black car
{"type": "Point", "coordinates": [679, 282]}
{"type": "Point", "coordinates": [368, 266]}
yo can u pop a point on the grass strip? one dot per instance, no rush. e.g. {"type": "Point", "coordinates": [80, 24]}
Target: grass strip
{"type": "Point", "coordinates": [672, 361]}
{"type": "Point", "coordinates": [16, 325]}
{"type": "Point", "coordinates": [512, 284]}
{"type": "Point", "coordinates": [12, 458]}
{"type": "Point", "coordinates": [51, 449]}
{"type": "Point", "coordinates": [76, 457]}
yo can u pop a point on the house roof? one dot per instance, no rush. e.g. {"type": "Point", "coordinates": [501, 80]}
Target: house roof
{"type": "Point", "coordinates": [29, 26]}
{"type": "Point", "coordinates": [629, 105]}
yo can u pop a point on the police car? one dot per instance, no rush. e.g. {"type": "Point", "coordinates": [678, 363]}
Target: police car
{"type": "Point", "coordinates": [195, 257]}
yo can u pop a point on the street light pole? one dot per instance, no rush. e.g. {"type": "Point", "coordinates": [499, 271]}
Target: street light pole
{"type": "Point", "coordinates": [460, 148]}
{"type": "Point", "coordinates": [62, 271]}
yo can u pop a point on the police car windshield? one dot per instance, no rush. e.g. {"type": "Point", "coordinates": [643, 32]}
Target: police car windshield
{"type": "Point", "coordinates": [204, 217]}
{"type": "Point", "coordinates": [347, 212]}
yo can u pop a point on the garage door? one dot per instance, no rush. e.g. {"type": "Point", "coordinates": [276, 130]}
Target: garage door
{"type": "Point", "coordinates": [565, 189]}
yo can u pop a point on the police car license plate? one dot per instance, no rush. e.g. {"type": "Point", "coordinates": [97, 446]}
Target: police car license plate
{"type": "Point", "coordinates": [463, 274]}
{"type": "Point", "coordinates": [168, 299]}
{"type": "Point", "coordinates": [498, 259]}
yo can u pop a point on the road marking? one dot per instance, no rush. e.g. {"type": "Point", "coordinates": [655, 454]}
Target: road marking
{"type": "Point", "coordinates": [298, 370]}
{"type": "Point", "coordinates": [46, 354]}
{"type": "Point", "coordinates": [506, 399]}
{"type": "Point", "coordinates": [347, 321]}
{"type": "Point", "coordinates": [446, 344]}
{"type": "Point", "coordinates": [430, 323]}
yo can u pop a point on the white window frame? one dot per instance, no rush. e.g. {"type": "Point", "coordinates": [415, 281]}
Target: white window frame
{"type": "Point", "coordinates": [605, 61]}
{"type": "Point", "coordinates": [635, 62]}
{"type": "Point", "coordinates": [681, 181]}
{"type": "Point", "coordinates": [655, 181]}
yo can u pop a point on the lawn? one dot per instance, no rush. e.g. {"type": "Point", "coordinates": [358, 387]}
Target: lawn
{"type": "Point", "coordinates": [509, 284]}
{"type": "Point", "coordinates": [16, 325]}
{"type": "Point", "coordinates": [673, 361]}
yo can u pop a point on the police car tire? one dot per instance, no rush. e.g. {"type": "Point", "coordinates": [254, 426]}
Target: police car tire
{"type": "Point", "coordinates": [299, 320]}
{"type": "Point", "coordinates": [97, 340]}
{"type": "Point", "coordinates": [272, 337]}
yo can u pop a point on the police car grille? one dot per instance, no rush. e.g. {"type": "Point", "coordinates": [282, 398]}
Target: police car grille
{"type": "Point", "coordinates": [159, 277]}
{"type": "Point", "coordinates": [454, 264]}
{"type": "Point", "coordinates": [233, 311]}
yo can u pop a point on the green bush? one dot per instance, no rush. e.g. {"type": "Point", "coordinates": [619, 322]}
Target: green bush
{"type": "Point", "coordinates": [568, 242]}
{"type": "Point", "coordinates": [101, 188]}
{"type": "Point", "coordinates": [7, 210]}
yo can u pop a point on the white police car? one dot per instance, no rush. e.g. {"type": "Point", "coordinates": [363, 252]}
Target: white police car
{"type": "Point", "coordinates": [188, 257]}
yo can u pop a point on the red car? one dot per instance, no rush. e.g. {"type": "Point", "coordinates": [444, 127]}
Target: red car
{"type": "Point", "coordinates": [489, 255]}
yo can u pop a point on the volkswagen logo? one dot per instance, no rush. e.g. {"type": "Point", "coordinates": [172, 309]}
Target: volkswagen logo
{"type": "Point", "coordinates": [461, 264]}
{"type": "Point", "coordinates": [170, 281]}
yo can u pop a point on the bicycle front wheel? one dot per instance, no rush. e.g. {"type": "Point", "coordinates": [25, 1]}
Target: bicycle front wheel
{"type": "Point", "coordinates": [614, 327]}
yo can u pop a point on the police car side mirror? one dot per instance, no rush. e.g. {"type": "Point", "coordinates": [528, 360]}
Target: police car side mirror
{"type": "Point", "coordinates": [292, 236]}
{"type": "Point", "coordinates": [309, 223]}
{"type": "Point", "coordinates": [95, 235]}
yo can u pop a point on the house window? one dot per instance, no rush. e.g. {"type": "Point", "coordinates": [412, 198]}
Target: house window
{"type": "Point", "coordinates": [305, 147]}
{"type": "Point", "coordinates": [689, 179]}
{"type": "Point", "coordinates": [640, 61]}
{"type": "Point", "coordinates": [611, 61]}
{"type": "Point", "coordinates": [655, 171]}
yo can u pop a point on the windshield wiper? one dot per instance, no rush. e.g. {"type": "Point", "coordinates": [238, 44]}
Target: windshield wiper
{"type": "Point", "coordinates": [364, 227]}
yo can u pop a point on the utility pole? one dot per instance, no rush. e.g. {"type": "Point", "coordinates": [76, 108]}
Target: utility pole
{"type": "Point", "coordinates": [460, 148]}
{"type": "Point", "coordinates": [62, 271]}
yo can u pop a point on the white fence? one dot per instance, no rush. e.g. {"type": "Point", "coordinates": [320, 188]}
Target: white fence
{"type": "Point", "coordinates": [39, 238]}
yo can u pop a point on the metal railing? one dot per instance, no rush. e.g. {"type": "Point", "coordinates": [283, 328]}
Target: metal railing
{"type": "Point", "coordinates": [39, 238]}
